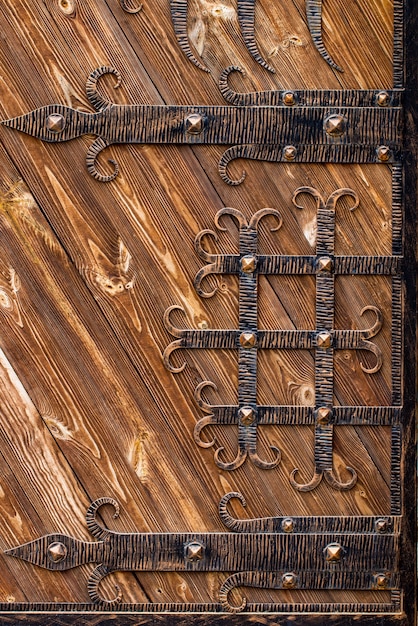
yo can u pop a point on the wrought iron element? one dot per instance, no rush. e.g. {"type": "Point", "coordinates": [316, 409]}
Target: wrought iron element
{"type": "Point", "coordinates": [243, 554]}
{"type": "Point", "coordinates": [306, 97]}
{"type": "Point", "coordinates": [271, 132]}
{"type": "Point", "coordinates": [324, 365]}
{"type": "Point", "coordinates": [304, 524]}
{"type": "Point", "coordinates": [248, 338]}
{"type": "Point", "coordinates": [246, 19]}
{"type": "Point", "coordinates": [178, 10]}
{"type": "Point", "coordinates": [126, 8]}
{"type": "Point", "coordinates": [314, 15]}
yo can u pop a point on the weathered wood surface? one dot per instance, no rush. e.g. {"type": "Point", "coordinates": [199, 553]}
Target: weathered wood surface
{"type": "Point", "coordinates": [88, 270]}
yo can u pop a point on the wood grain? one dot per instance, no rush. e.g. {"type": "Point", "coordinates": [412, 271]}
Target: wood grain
{"type": "Point", "coordinates": [87, 271]}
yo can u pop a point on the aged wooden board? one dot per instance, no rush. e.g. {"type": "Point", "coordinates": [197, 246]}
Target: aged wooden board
{"type": "Point", "coordinates": [207, 378]}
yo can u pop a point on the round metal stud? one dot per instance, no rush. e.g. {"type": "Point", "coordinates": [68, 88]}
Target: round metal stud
{"type": "Point", "coordinates": [381, 525]}
{"type": "Point", "coordinates": [55, 123]}
{"type": "Point", "coordinates": [323, 415]}
{"type": "Point", "coordinates": [289, 98]}
{"type": "Point", "coordinates": [289, 153]}
{"type": "Point", "coordinates": [382, 581]}
{"type": "Point", "coordinates": [335, 125]}
{"type": "Point", "coordinates": [194, 124]}
{"type": "Point", "coordinates": [383, 153]}
{"type": "Point", "coordinates": [333, 552]}
{"type": "Point", "coordinates": [383, 98]}
{"type": "Point", "coordinates": [288, 525]}
{"type": "Point", "coordinates": [57, 551]}
{"type": "Point", "coordinates": [247, 340]}
{"type": "Point", "coordinates": [324, 264]}
{"type": "Point", "coordinates": [194, 551]}
{"type": "Point", "coordinates": [246, 414]}
{"type": "Point", "coordinates": [289, 580]}
{"type": "Point", "coordinates": [248, 264]}
{"type": "Point", "coordinates": [323, 340]}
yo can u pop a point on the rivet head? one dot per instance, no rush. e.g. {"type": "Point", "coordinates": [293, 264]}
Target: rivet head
{"type": "Point", "coordinates": [248, 264]}
{"type": "Point", "coordinates": [288, 525]}
{"type": "Point", "coordinates": [335, 125]}
{"type": "Point", "coordinates": [289, 580]}
{"type": "Point", "coordinates": [381, 580]}
{"type": "Point", "coordinates": [289, 98]}
{"type": "Point", "coordinates": [323, 415]}
{"type": "Point", "coordinates": [246, 415]}
{"type": "Point", "coordinates": [383, 153]}
{"type": "Point", "coordinates": [381, 525]}
{"type": "Point", "coordinates": [55, 123]}
{"type": "Point", "coordinates": [194, 124]}
{"type": "Point", "coordinates": [383, 98]}
{"type": "Point", "coordinates": [333, 552]}
{"type": "Point", "coordinates": [323, 340]}
{"type": "Point", "coordinates": [194, 551]}
{"type": "Point", "coordinates": [289, 153]}
{"type": "Point", "coordinates": [57, 551]}
{"type": "Point", "coordinates": [324, 264]}
{"type": "Point", "coordinates": [247, 340]}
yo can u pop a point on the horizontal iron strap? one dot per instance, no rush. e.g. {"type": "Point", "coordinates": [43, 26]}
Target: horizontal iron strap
{"type": "Point", "coordinates": [73, 614]}
{"type": "Point", "coordinates": [244, 552]}
{"type": "Point", "coordinates": [292, 264]}
{"type": "Point", "coordinates": [305, 415]}
{"type": "Point", "coordinates": [245, 125]}
{"type": "Point", "coordinates": [227, 125]}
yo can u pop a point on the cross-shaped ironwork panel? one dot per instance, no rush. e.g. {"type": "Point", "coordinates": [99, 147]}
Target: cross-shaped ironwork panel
{"type": "Point", "coordinates": [248, 338]}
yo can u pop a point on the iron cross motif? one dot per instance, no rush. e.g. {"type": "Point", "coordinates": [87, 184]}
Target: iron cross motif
{"type": "Point", "coordinates": [249, 338]}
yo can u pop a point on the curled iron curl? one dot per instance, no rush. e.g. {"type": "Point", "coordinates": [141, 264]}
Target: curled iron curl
{"type": "Point", "coordinates": [96, 529]}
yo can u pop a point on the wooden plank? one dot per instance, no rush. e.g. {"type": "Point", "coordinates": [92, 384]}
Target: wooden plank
{"type": "Point", "coordinates": [98, 266]}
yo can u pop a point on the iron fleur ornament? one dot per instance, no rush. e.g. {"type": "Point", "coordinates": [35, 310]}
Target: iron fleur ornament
{"type": "Point", "coordinates": [260, 126]}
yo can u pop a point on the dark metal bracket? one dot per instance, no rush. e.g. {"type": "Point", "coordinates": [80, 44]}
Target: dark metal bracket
{"type": "Point", "coordinates": [276, 126]}
{"type": "Point", "coordinates": [273, 553]}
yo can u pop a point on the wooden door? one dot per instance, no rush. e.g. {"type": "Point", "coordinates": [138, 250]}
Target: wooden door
{"type": "Point", "coordinates": [207, 382]}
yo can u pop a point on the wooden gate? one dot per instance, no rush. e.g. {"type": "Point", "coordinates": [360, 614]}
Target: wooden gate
{"type": "Point", "coordinates": [207, 374]}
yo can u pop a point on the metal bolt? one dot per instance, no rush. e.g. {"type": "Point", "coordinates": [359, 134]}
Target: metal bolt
{"type": "Point", "coordinates": [289, 153]}
{"type": "Point", "coordinates": [323, 340]}
{"type": "Point", "coordinates": [246, 415]}
{"type": "Point", "coordinates": [383, 99]}
{"type": "Point", "coordinates": [335, 125]}
{"type": "Point", "coordinates": [289, 580]}
{"type": "Point", "coordinates": [55, 123]}
{"type": "Point", "coordinates": [247, 340]}
{"type": "Point", "coordinates": [194, 124]}
{"type": "Point", "coordinates": [248, 264]}
{"type": "Point", "coordinates": [323, 415]}
{"type": "Point", "coordinates": [288, 525]}
{"type": "Point", "coordinates": [381, 525]}
{"type": "Point", "coordinates": [194, 551]}
{"type": "Point", "coordinates": [57, 551]}
{"type": "Point", "coordinates": [289, 98]}
{"type": "Point", "coordinates": [381, 580]}
{"type": "Point", "coordinates": [333, 552]}
{"type": "Point", "coordinates": [383, 153]}
{"type": "Point", "coordinates": [324, 264]}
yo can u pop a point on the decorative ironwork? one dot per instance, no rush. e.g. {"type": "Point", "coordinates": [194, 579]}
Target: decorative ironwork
{"type": "Point", "coordinates": [246, 19]}
{"type": "Point", "coordinates": [248, 338]}
{"type": "Point", "coordinates": [271, 131]}
{"type": "Point", "coordinates": [243, 554]}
